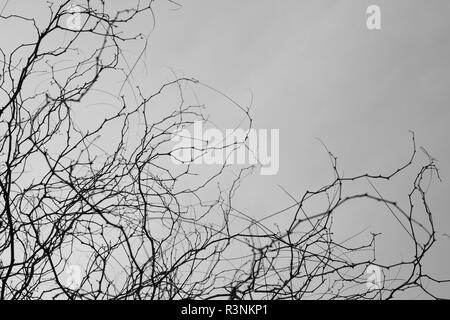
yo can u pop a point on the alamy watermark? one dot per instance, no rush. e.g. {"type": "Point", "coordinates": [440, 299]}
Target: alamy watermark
{"type": "Point", "coordinates": [74, 277]}
{"type": "Point", "coordinates": [373, 21]}
{"type": "Point", "coordinates": [73, 21]}
{"type": "Point", "coordinates": [234, 146]}
{"type": "Point", "coordinates": [375, 279]}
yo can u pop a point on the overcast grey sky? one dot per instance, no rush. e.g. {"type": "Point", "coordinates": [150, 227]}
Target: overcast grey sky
{"type": "Point", "coordinates": [313, 70]}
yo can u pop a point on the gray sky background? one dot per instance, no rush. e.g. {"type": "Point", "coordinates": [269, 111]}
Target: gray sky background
{"type": "Point", "coordinates": [314, 70]}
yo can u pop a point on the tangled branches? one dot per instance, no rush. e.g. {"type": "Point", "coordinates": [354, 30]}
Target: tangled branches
{"type": "Point", "coordinates": [104, 192]}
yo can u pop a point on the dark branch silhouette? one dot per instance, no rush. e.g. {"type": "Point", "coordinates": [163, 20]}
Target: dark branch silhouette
{"type": "Point", "coordinates": [104, 192]}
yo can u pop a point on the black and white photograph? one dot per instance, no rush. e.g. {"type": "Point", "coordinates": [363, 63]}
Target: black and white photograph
{"type": "Point", "coordinates": [241, 152]}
